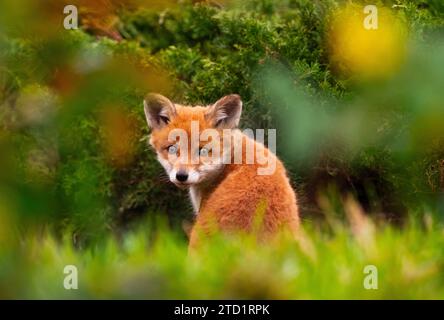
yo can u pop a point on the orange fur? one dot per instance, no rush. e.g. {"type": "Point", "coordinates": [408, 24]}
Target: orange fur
{"type": "Point", "coordinates": [235, 196]}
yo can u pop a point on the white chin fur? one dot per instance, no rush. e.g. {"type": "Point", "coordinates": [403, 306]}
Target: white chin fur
{"type": "Point", "coordinates": [193, 176]}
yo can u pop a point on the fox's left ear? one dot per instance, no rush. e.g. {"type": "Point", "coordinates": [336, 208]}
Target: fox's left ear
{"type": "Point", "coordinates": [226, 112]}
{"type": "Point", "coordinates": [158, 110]}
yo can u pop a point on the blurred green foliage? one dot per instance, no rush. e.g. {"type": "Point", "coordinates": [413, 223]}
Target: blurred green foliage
{"type": "Point", "coordinates": [153, 264]}
{"type": "Point", "coordinates": [76, 169]}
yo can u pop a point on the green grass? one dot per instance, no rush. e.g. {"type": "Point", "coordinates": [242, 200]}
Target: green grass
{"type": "Point", "coordinates": [327, 262]}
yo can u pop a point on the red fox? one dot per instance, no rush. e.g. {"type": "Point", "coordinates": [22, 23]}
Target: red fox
{"type": "Point", "coordinates": [221, 168]}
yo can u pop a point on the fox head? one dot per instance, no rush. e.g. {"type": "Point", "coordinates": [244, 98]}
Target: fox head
{"type": "Point", "coordinates": [189, 140]}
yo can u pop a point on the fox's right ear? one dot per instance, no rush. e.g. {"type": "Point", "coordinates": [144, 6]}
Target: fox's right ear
{"type": "Point", "coordinates": [159, 110]}
{"type": "Point", "coordinates": [226, 112]}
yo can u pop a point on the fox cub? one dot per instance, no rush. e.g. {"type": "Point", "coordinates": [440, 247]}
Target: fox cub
{"type": "Point", "coordinates": [202, 150]}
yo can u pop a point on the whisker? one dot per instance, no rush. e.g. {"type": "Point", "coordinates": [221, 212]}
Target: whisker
{"type": "Point", "coordinates": [163, 177]}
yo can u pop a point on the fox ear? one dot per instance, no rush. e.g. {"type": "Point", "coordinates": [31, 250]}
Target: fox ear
{"type": "Point", "coordinates": [226, 112]}
{"type": "Point", "coordinates": [159, 110]}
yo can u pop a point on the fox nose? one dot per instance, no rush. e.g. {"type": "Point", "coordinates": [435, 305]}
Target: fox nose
{"type": "Point", "coordinates": [181, 176]}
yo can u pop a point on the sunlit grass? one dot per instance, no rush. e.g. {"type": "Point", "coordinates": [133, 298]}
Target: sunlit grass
{"type": "Point", "coordinates": [325, 262]}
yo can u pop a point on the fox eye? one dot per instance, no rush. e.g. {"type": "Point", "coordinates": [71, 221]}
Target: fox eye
{"type": "Point", "coordinates": [172, 149]}
{"type": "Point", "coordinates": [203, 152]}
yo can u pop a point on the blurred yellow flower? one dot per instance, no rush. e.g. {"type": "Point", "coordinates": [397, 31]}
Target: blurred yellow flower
{"type": "Point", "coordinates": [366, 43]}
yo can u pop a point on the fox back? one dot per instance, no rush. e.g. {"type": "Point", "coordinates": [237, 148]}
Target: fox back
{"type": "Point", "coordinates": [236, 184]}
